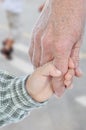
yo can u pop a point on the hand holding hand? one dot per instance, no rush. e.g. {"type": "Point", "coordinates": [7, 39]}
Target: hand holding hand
{"type": "Point", "coordinates": [57, 36]}
{"type": "Point", "coordinates": [39, 84]}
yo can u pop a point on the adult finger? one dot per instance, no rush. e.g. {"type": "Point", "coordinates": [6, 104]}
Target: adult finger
{"type": "Point", "coordinates": [69, 74]}
{"type": "Point", "coordinates": [75, 57]}
{"type": "Point", "coordinates": [71, 64]}
{"type": "Point", "coordinates": [46, 47]}
{"type": "Point", "coordinates": [61, 54]}
{"type": "Point", "coordinates": [69, 78]}
{"type": "Point", "coordinates": [37, 50]}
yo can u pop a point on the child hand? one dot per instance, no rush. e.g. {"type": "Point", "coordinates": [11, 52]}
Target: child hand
{"type": "Point", "coordinates": [39, 84]}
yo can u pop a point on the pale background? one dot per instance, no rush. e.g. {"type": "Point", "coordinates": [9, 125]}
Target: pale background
{"type": "Point", "coordinates": [67, 113]}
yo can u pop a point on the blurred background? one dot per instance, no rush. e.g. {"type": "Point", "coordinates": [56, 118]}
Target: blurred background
{"type": "Point", "coordinates": [67, 113]}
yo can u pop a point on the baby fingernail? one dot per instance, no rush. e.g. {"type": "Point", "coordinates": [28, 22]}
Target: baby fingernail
{"type": "Point", "coordinates": [59, 72]}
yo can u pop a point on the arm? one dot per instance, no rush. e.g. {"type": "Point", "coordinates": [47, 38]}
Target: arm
{"type": "Point", "coordinates": [15, 101]}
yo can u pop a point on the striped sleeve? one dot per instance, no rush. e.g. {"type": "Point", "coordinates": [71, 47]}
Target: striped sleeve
{"type": "Point", "coordinates": [15, 102]}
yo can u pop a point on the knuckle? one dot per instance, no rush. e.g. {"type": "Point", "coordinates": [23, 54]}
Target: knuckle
{"type": "Point", "coordinates": [60, 51]}
{"type": "Point", "coordinates": [63, 47]}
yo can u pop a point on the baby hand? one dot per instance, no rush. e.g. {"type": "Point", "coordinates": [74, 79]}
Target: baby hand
{"type": "Point", "coordinates": [39, 84]}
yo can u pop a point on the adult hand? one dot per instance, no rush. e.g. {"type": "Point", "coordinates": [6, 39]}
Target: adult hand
{"type": "Point", "coordinates": [57, 36]}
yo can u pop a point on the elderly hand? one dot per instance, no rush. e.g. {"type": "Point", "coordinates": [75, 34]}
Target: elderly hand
{"type": "Point", "coordinates": [57, 36]}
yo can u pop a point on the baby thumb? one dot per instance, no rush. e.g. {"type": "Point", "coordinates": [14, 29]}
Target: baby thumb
{"type": "Point", "coordinates": [49, 69]}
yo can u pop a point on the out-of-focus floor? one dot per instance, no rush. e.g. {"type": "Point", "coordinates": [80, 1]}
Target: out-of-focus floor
{"type": "Point", "coordinates": [67, 113]}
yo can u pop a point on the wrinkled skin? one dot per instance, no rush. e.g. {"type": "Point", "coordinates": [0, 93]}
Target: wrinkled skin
{"type": "Point", "coordinates": [57, 36]}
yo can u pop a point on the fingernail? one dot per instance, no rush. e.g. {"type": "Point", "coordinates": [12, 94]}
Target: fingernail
{"type": "Point", "coordinates": [58, 72]}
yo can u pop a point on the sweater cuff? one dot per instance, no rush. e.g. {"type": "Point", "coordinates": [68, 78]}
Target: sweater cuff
{"type": "Point", "coordinates": [21, 97]}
